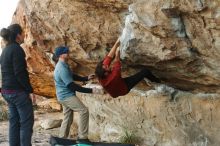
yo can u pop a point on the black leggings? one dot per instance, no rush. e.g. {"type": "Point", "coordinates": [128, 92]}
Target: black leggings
{"type": "Point", "coordinates": [136, 78]}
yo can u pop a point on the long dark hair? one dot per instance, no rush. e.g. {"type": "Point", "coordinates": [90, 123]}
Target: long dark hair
{"type": "Point", "coordinates": [100, 71]}
{"type": "Point", "coordinates": [9, 34]}
{"type": "Point", "coordinates": [55, 59]}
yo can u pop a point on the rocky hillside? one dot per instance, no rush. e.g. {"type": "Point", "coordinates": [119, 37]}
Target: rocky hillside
{"type": "Point", "coordinates": [179, 40]}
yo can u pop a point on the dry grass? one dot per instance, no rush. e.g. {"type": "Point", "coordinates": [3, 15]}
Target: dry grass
{"type": "Point", "coordinates": [3, 110]}
{"type": "Point", "coordinates": [129, 137]}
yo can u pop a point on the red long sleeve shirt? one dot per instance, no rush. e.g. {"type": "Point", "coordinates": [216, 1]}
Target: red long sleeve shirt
{"type": "Point", "coordinates": [113, 83]}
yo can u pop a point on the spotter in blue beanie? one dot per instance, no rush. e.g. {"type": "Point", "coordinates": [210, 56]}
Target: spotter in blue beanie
{"type": "Point", "coordinates": [61, 50]}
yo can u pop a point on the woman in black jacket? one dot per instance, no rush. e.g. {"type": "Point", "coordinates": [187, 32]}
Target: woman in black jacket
{"type": "Point", "coordinates": [16, 87]}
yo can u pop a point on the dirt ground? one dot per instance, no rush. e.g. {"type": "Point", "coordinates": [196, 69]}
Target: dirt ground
{"type": "Point", "coordinates": [40, 135]}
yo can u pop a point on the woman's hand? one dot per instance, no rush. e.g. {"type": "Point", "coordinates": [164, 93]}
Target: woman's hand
{"type": "Point", "coordinates": [117, 43]}
{"type": "Point", "coordinates": [117, 54]}
{"type": "Point", "coordinates": [91, 76]}
{"type": "Point", "coordinates": [113, 49]}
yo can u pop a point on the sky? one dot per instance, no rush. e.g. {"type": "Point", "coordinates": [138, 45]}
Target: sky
{"type": "Point", "coordinates": [7, 9]}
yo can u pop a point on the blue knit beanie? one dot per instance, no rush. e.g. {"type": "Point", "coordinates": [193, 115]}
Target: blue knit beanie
{"type": "Point", "coordinates": [61, 50]}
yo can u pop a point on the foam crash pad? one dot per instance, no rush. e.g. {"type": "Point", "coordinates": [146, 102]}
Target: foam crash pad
{"type": "Point", "coordinates": [56, 141]}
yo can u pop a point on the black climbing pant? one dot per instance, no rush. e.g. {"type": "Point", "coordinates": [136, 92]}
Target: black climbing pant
{"type": "Point", "coordinates": [136, 78]}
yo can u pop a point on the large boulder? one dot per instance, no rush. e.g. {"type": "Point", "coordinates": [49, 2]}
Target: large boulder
{"type": "Point", "coordinates": [177, 40]}
{"type": "Point", "coordinates": [149, 118]}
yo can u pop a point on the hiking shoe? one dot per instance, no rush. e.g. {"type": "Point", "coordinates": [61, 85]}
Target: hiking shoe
{"type": "Point", "coordinates": [85, 141]}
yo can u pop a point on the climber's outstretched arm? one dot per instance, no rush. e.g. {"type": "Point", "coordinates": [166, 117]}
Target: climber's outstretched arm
{"type": "Point", "coordinates": [117, 54]}
{"type": "Point", "coordinates": [113, 49]}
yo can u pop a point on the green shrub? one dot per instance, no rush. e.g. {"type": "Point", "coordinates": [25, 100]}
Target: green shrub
{"type": "Point", "coordinates": [129, 137]}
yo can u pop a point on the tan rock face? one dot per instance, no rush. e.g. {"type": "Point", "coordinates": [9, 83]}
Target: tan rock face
{"type": "Point", "coordinates": [178, 40]}
{"type": "Point", "coordinates": [150, 116]}
{"type": "Point", "coordinates": [87, 28]}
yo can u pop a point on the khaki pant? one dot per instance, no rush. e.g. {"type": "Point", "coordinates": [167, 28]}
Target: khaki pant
{"type": "Point", "coordinates": [71, 105]}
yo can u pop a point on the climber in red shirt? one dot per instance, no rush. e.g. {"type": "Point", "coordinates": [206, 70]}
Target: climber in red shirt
{"type": "Point", "coordinates": [110, 78]}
